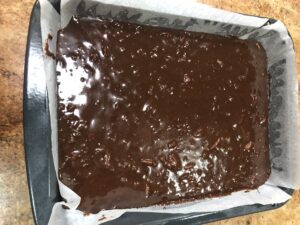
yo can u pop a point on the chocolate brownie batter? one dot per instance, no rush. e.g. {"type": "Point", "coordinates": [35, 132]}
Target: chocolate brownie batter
{"type": "Point", "coordinates": [151, 115]}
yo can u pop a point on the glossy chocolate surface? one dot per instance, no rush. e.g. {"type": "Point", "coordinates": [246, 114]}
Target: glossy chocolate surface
{"type": "Point", "coordinates": [151, 115]}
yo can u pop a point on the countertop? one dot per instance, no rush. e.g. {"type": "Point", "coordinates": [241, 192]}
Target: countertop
{"type": "Point", "coordinates": [14, 199]}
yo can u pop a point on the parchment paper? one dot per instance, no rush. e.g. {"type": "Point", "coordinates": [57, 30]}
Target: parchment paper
{"type": "Point", "coordinates": [189, 15]}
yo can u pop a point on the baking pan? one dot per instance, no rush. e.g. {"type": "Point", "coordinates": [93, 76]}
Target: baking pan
{"type": "Point", "coordinates": [42, 182]}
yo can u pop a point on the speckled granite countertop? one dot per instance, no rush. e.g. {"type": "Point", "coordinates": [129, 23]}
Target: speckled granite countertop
{"type": "Point", "coordinates": [14, 199]}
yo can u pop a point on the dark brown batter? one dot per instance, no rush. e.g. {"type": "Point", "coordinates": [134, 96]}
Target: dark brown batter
{"type": "Point", "coordinates": [151, 115]}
